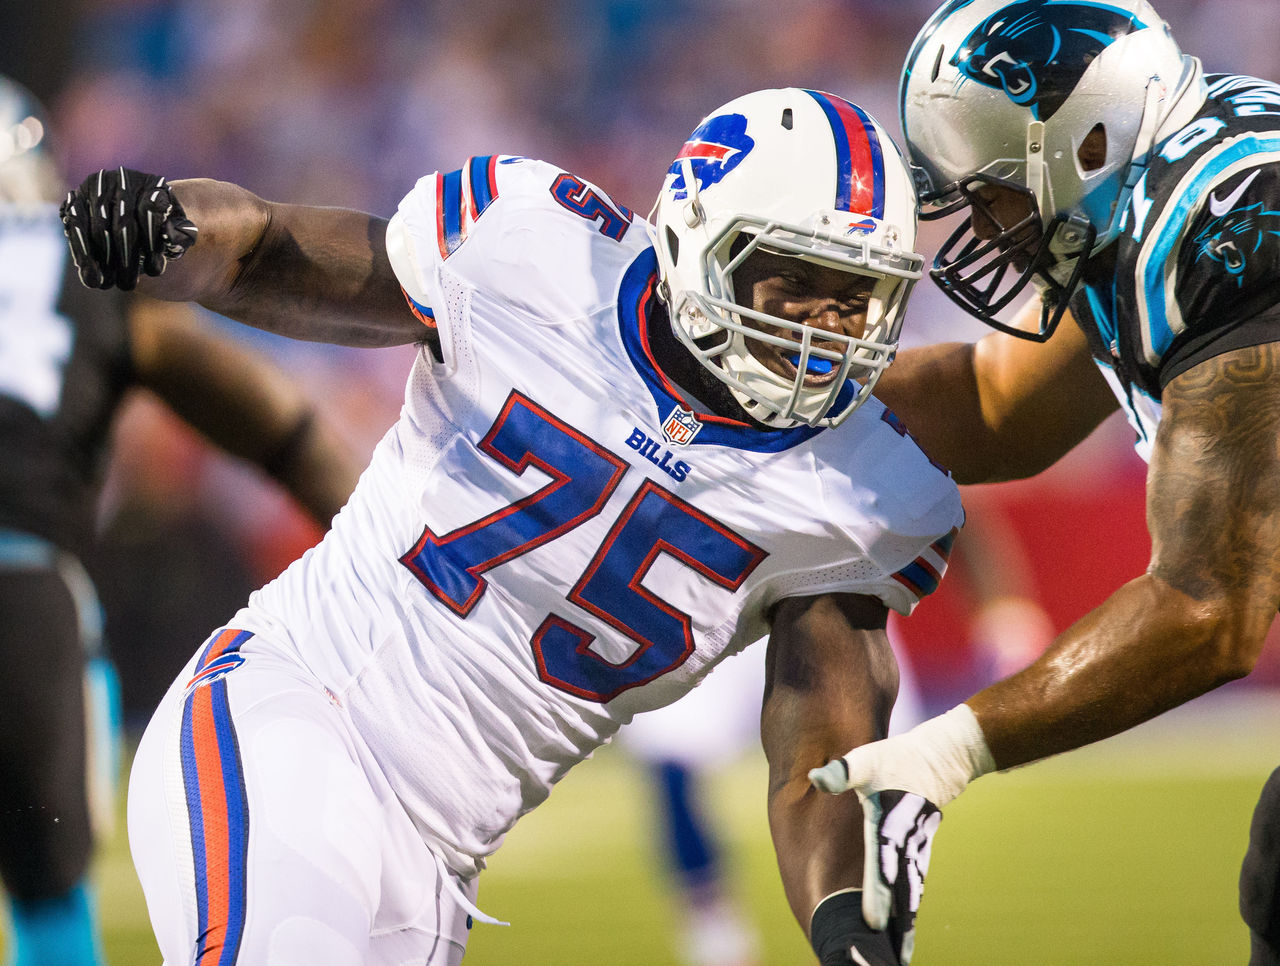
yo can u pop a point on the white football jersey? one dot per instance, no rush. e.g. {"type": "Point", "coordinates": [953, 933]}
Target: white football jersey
{"type": "Point", "coordinates": [546, 542]}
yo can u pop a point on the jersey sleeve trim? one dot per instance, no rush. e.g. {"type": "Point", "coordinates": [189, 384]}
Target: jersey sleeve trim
{"type": "Point", "coordinates": [424, 313]}
{"type": "Point", "coordinates": [900, 591]}
{"type": "Point", "coordinates": [1259, 330]}
{"type": "Point", "coordinates": [461, 198]}
{"type": "Point", "coordinates": [1160, 318]}
{"type": "Point", "coordinates": [922, 576]}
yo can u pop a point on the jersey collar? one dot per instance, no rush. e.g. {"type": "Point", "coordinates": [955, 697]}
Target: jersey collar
{"type": "Point", "coordinates": [636, 299]}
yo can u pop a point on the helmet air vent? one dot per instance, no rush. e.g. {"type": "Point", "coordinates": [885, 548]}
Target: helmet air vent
{"type": "Point", "coordinates": [1092, 153]}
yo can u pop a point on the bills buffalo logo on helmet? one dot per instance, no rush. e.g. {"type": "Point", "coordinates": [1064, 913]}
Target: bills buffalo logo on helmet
{"type": "Point", "coordinates": [716, 147]}
{"type": "Point", "coordinates": [1234, 238]}
{"type": "Point", "coordinates": [1036, 50]}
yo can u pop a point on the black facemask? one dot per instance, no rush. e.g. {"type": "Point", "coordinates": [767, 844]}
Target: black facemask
{"type": "Point", "coordinates": [985, 275]}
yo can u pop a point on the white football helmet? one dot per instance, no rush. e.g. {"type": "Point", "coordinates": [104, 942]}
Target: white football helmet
{"type": "Point", "coordinates": [27, 170]}
{"type": "Point", "coordinates": [1006, 92]}
{"type": "Point", "coordinates": [798, 173]}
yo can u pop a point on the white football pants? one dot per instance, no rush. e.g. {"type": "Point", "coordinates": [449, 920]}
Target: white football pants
{"type": "Point", "coordinates": [263, 833]}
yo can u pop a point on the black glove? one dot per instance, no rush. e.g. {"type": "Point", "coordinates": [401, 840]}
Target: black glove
{"type": "Point", "coordinates": [122, 222]}
{"type": "Point", "coordinates": [841, 937]}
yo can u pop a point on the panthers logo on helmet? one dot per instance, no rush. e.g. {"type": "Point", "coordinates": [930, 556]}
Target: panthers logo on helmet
{"type": "Point", "coordinates": [1036, 50]}
{"type": "Point", "coordinates": [716, 147]}
{"type": "Point", "coordinates": [1234, 238]}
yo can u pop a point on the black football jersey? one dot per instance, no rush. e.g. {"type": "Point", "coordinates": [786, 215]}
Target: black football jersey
{"type": "Point", "coordinates": [64, 366]}
{"type": "Point", "coordinates": [1196, 269]}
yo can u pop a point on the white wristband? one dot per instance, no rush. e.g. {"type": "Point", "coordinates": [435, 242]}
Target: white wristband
{"type": "Point", "coordinates": [936, 759]}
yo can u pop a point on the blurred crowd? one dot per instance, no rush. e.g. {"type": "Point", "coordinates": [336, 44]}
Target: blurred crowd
{"type": "Point", "coordinates": [348, 102]}
{"type": "Point", "coordinates": [341, 102]}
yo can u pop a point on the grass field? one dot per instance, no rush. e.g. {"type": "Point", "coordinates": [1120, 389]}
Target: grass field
{"type": "Point", "coordinates": [1125, 854]}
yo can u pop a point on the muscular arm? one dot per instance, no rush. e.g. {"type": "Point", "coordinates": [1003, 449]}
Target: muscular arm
{"type": "Point", "coordinates": [1198, 617]}
{"type": "Point", "coordinates": [831, 682]}
{"type": "Point", "coordinates": [319, 274]}
{"type": "Point", "coordinates": [1002, 408]}
{"type": "Point", "coordinates": [242, 403]}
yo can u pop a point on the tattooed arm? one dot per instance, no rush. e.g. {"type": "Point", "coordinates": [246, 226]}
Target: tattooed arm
{"type": "Point", "coordinates": [1198, 617]}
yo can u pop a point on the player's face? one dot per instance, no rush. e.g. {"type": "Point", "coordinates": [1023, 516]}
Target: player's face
{"type": "Point", "coordinates": [998, 209]}
{"type": "Point", "coordinates": [821, 297]}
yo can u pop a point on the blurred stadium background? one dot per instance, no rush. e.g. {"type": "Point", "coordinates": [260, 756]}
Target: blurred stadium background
{"type": "Point", "coordinates": [1126, 853]}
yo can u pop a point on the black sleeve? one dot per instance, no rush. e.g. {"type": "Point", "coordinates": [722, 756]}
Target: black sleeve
{"type": "Point", "coordinates": [1228, 285]}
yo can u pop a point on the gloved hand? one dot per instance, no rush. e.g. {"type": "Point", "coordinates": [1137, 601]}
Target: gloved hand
{"type": "Point", "coordinates": [901, 783]}
{"type": "Point", "coordinates": [120, 223]}
{"type": "Point", "coordinates": [898, 830]}
{"type": "Point", "coordinates": [840, 935]}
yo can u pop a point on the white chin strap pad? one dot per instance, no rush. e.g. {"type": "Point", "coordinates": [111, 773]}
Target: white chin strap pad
{"type": "Point", "coordinates": [759, 383]}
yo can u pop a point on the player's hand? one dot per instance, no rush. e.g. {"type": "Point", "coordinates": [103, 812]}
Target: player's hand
{"type": "Point", "coordinates": [897, 830]}
{"type": "Point", "coordinates": [902, 782]}
{"type": "Point", "coordinates": [121, 223]}
{"type": "Point", "coordinates": [877, 951]}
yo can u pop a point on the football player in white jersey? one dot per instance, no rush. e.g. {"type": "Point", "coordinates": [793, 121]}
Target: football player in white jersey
{"type": "Point", "coordinates": [617, 464]}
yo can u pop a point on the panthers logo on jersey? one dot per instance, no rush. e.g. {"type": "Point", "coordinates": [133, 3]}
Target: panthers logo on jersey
{"type": "Point", "coordinates": [716, 147]}
{"type": "Point", "coordinates": [1234, 238]}
{"type": "Point", "coordinates": [1036, 50]}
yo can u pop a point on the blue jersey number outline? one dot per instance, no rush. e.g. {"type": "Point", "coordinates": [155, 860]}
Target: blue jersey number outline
{"type": "Point", "coordinates": [583, 200]}
{"type": "Point", "coordinates": [584, 476]}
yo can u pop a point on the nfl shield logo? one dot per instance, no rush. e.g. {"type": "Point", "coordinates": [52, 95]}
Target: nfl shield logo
{"type": "Point", "coordinates": [680, 428]}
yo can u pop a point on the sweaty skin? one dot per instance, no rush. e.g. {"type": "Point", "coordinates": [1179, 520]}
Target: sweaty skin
{"type": "Point", "coordinates": [1199, 615]}
{"type": "Point", "coordinates": [1001, 408]}
{"type": "Point", "coordinates": [319, 274]}
{"type": "Point", "coordinates": [831, 680]}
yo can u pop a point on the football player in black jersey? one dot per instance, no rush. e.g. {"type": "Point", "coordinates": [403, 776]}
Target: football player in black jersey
{"type": "Point", "coordinates": [67, 359]}
{"type": "Point", "coordinates": [1122, 232]}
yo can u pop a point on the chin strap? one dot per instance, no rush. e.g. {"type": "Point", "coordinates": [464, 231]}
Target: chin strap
{"type": "Point", "coordinates": [1151, 118]}
{"type": "Point", "coordinates": [749, 373]}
